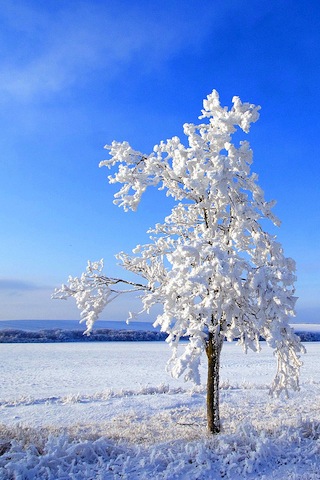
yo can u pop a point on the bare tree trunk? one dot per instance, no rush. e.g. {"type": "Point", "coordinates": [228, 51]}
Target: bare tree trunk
{"type": "Point", "coordinates": [213, 350]}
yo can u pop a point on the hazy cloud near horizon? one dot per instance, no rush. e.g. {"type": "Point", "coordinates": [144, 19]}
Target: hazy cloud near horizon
{"type": "Point", "coordinates": [19, 285]}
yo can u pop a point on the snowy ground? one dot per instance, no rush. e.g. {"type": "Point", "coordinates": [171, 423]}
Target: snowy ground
{"type": "Point", "coordinates": [109, 411]}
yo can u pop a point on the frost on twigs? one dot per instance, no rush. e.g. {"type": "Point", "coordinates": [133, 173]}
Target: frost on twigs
{"type": "Point", "coordinates": [210, 264]}
{"type": "Point", "coordinates": [90, 294]}
{"type": "Point", "coordinates": [92, 291]}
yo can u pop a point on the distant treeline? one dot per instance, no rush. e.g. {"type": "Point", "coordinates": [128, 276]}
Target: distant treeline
{"type": "Point", "coordinates": [58, 335]}
{"type": "Point", "coordinates": [309, 336]}
{"type": "Point", "coordinates": [101, 335]}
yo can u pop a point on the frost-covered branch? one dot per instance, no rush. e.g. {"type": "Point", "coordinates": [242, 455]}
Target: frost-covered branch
{"type": "Point", "coordinates": [93, 291]}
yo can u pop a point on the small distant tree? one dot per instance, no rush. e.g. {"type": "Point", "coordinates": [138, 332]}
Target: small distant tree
{"type": "Point", "coordinates": [211, 265]}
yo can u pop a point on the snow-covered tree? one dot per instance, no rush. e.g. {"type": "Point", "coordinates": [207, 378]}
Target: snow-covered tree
{"type": "Point", "coordinates": [211, 265]}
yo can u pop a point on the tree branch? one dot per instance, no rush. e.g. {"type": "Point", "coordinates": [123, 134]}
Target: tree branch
{"type": "Point", "coordinates": [113, 281]}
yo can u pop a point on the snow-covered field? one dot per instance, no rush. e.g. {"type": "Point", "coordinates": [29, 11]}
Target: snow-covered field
{"type": "Point", "coordinates": [109, 411]}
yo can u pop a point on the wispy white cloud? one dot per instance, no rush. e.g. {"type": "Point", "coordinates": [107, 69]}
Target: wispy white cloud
{"type": "Point", "coordinates": [16, 285]}
{"type": "Point", "coordinates": [65, 47]}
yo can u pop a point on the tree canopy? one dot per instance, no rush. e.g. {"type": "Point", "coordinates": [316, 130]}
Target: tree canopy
{"type": "Point", "coordinates": [210, 264]}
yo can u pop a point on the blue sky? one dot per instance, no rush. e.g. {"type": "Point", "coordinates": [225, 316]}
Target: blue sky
{"type": "Point", "coordinates": [75, 75]}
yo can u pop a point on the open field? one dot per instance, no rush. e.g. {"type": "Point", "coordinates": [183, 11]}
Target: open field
{"type": "Point", "coordinates": [104, 411]}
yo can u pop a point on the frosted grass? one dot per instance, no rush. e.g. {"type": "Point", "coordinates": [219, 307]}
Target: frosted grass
{"type": "Point", "coordinates": [109, 411]}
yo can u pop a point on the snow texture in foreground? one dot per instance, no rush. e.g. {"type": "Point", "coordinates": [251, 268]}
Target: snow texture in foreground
{"type": "Point", "coordinates": [80, 426]}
